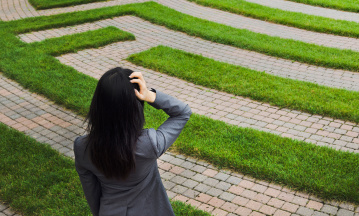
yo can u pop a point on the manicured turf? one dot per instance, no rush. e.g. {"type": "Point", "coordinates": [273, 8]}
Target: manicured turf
{"type": "Point", "coordinates": [158, 14]}
{"type": "Point", "coordinates": [46, 4]}
{"type": "Point", "coordinates": [346, 5]}
{"type": "Point", "coordinates": [278, 91]}
{"type": "Point", "coordinates": [298, 20]}
{"type": "Point", "coordinates": [37, 180]}
{"type": "Point", "coordinates": [80, 41]}
{"type": "Point", "coordinates": [303, 166]}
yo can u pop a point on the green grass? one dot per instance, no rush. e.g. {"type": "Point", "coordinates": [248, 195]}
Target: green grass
{"type": "Point", "coordinates": [37, 180]}
{"type": "Point", "coordinates": [158, 14]}
{"type": "Point", "coordinates": [327, 173]}
{"type": "Point", "coordinates": [80, 41]}
{"type": "Point", "coordinates": [295, 19]}
{"type": "Point", "coordinates": [345, 5]}
{"type": "Point", "coordinates": [278, 91]}
{"type": "Point", "coordinates": [47, 4]}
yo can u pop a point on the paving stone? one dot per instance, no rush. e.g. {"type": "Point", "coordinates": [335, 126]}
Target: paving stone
{"type": "Point", "coordinates": [234, 180]}
{"type": "Point", "coordinates": [211, 182]}
{"type": "Point", "coordinates": [329, 209]}
{"type": "Point", "coordinates": [202, 188]}
{"type": "Point", "coordinates": [214, 192]}
{"type": "Point", "coordinates": [344, 212]}
{"type": "Point", "coordinates": [199, 177]}
{"type": "Point", "coordinates": [227, 196]}
{"type": "Point", "coordinates": [190, 193]}
{"type": "Point", "coordinates": [190, 183]}
{"type": "Point", "coordinates": [304, 211]}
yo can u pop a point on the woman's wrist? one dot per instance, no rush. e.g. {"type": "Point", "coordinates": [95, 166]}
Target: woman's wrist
{"type": "Point", "coordinates": [151, 97]}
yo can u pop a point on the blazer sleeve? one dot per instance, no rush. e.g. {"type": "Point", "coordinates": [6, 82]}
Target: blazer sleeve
{"type": "Point", "coordinates": [179, 113]}
{"type": "Point", "coordinates": [90, 184]}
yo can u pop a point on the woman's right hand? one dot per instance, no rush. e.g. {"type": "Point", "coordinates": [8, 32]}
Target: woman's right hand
{"type": "Point", "coordinates": [144, 94]}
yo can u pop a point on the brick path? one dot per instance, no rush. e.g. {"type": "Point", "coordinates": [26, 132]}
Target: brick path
{"type": "Point", "coordinates": [186, 179]}
{"type": "Point", "coordinates": [308, 9]}
{"type": "Point", "coordinates": [220, 192]}
{"type": "Point", "coordinates": [6, 211]}
{"type": "Point", "coordinates": [234, 110]}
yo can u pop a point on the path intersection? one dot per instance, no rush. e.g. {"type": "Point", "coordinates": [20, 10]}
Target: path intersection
{"type": "Point", "coordinates": [219, 192]}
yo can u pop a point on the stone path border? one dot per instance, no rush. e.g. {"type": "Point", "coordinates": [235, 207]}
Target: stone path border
{"type": "Point", "coordinates": [219, 192]}
{"type": "Point", "coordinates": [215, 15]}
{"type": "Point", "coordinates": [309, 9]}
{"type": "Point", "coordinates": [6, 211]}
{"type": "Point", "coordinates": [217, 105]}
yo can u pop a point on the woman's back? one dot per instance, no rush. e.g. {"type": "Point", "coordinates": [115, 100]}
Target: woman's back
{"type": "Point", "coordinates": [142, 192]}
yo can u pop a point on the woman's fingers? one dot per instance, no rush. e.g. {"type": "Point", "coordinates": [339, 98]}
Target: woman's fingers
{"type": "Point", "coordinates": [140, 83]}
{"type": "Point", "coordinates": [137, 75]}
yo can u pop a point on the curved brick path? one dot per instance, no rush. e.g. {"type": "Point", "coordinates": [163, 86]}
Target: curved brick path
{"type": "Point", "coordinates": [186, 179]}
{"type": "Point", "coordinates": [198, 183]}
{"type": "Point", "coordinates": [183, 6]}
{"type": "Point", "coordinates": [309, 9]}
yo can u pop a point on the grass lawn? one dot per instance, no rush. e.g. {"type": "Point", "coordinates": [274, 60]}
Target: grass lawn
{"type": "Point", "coordinates": [37, 180]}
{"type": "Point", "coordinates": [158, 14]}
{"type": "Point", "coordinates": [298, 20]}
{"type": "Point", "coordinates": [46, 4]}
{"type": "Point", "coordinates": [346, 5]}
{"type": "Point", "coordinates": [278, 91]}
{"type": "Point", "coordinates": [75, 42]}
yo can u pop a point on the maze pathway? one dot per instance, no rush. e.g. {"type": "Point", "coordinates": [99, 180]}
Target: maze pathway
{"type": "Point", "coordinates": [186, 179]}
{"type": "Point", "coordinates": [217, 105]}
{"type": "Point", "coordinates": [215, 15]}
{"type": "Point", "coordinates": [308, 9]}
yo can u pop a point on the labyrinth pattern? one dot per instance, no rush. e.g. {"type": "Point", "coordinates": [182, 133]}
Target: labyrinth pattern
{"type": "Point", "coordinates": [196, 182]}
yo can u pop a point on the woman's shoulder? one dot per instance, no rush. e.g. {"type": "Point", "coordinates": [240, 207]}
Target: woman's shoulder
{"type": "Point", "coordinates": [80, 144]}
{"type": "Point", "coordinates": [144, 145]}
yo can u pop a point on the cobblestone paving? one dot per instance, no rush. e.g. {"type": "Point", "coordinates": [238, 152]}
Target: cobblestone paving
{"type": "Point", "coordinates": [155, 35]}
{"type": "Point", "coordinates": [217, 105]}
{"type": "Point", "coordinates": [215, 15]}
{"type": "Point", "coordinates": [6, 211]}
{"type": "Point", "coordinates": [308, 9]}
{"type": "Point", "coordinates": [219, 192]}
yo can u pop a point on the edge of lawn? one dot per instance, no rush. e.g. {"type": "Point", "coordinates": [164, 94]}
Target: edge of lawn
{"type": "Point", "coordinates": [48, 4]}
{"type": "Point", "coordinates": [344, 7]}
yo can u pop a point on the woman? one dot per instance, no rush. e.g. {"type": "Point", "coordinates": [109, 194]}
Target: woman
{"type": "Point", "coordinates": [117, 160]}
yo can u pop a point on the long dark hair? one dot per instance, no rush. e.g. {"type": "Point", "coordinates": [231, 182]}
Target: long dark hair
{"type": "Point", "coordinates": [115, 122]}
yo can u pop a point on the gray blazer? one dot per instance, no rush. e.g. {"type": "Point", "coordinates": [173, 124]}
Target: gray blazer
{"type": "Point", "coordinates": [142, 193]}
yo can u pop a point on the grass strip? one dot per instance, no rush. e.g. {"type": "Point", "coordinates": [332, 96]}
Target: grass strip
{"type": "Point", "coordinates": [295, 19]}
{"type": "Point", "coordinates": [47, 4]}
{"type": "Point", "coordinates": [278, 91]}
{"type": "Point", "coordinates": [241, 38]}
{"type": "Point", "coordinates": [345, 5]}
{"type": "Point", "coordinates": [80, 41]}
{"type": "Point", "coordinates": [327, 173]}
{"type": "Point", "coordinates": [37, 180]}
